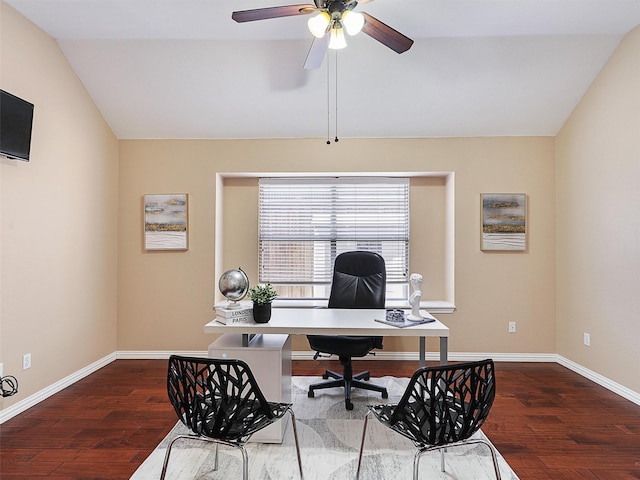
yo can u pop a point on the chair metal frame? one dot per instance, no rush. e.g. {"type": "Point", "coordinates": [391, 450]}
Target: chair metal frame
{"type": "Point", "coordinates": [441, 407]}
{"type": "Point", "coordinates": [220, 401]}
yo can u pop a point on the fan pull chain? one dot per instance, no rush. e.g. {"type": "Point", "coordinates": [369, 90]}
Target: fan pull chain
{"type": "Point", "coordinates": [336, 139]}
{"type": "Point", "coordinates": [328, 105]}
{"type": "Point", "coordinates": [336, 71]}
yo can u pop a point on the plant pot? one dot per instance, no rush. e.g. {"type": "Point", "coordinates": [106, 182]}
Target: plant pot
{"type": "Point", "coordinates": [261, 312]}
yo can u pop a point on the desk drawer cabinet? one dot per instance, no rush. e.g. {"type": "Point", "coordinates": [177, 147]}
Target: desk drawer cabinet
{"type": "Point", "coordinates": [269, 357]}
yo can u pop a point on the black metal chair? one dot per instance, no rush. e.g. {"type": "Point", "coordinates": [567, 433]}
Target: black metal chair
{"type": "Point", "coordinates": [220, 402]}
{"type": "Point", "coordinates": [441, 407]}
{"type": "Point", "coordinates": [359, 281]}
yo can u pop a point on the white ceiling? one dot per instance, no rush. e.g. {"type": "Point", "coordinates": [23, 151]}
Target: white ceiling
{"type": "Point", "coordinates": [184, 69]}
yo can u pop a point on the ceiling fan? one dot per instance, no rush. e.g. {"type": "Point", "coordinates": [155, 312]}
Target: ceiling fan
{"type": "Point", "coordinates": [334, 16]}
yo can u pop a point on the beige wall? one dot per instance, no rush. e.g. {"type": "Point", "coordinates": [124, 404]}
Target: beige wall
{"type": "Point", "coordinates": [58, 225]}
{"type": "Point", "coordinates": [598, 213]}
{"type": "Point", "coordinates": [166, 298]}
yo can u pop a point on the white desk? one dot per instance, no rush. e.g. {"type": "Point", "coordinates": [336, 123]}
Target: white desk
{"type": "Point", "coordinates": [335, 321]}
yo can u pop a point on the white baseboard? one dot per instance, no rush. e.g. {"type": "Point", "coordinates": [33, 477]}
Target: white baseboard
{"type": "Point", "coordinates": [30, 401]}
{"type": "Point", "coordinates": [21, 406]}
{"type": "Point", "coordinates": [600, 380]}
{"type": "Point", "coordinates": [157, 354]}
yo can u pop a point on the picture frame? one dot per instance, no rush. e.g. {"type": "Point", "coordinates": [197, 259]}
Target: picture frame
{"type": "Point", "coordinates": [503, 221]}
{"type": "Point", "coordinates": [166, 221]}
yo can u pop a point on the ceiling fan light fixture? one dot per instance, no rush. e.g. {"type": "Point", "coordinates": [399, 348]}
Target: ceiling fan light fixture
{"type": "Point", "coordinates": [353, 22]}
{"type": "Point", "coordinates": [337, 40]}
{"type": "Point", "coordinates": [318, 24]}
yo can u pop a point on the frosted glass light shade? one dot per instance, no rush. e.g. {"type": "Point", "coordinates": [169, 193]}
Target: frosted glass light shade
{"type": "Point", "coordinates": [318, 24]}
{"type": "Point", "coordinates": [337, 40]}
{"type": "Point", "coordinates": [353, 22]}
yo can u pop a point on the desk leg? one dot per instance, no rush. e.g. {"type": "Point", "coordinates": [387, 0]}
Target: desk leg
{"type": "Point", "coordinates": [247, 338]}
{"type": "Point", "coordinates": [423, 352]}
{"type": "Point", "coordinates": [444, 347]}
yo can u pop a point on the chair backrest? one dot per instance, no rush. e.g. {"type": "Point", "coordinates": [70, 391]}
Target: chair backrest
{"type": "Point", "coordinates": [359, 281]}
{"type": "Point", "coordinates": [215, 398]}
{"type": "Point", "coordinates": [446, 404]}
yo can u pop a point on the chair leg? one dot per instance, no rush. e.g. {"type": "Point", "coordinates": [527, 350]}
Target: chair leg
{"type": "Point", "coordinates": [347, 394]}
{"type": "Point", "coordinates": [364, 432]}
{"type": "Point", "coordinates": [165, 464]}
{"type": "Point", "coordinates": [416, 463]}
{"type": "Point", "coordinates": [295, 438]}
{"type": "Point", "coordinates": [245, 462]}
{"type": "Point", "coordinates": [217, 442]}
{"type": "Point", "coordinates": [168, 454]}
{"type": "Point", "coordinates": [369, 386]}
{"type": "Point", "coordinates": [443, 449]}
{"type": "Point", "coordinates": [332, 374]}
{"type": "Point", "coordinates": [323, 385]}
{"type": "Point", "coordinates": [494, 458]}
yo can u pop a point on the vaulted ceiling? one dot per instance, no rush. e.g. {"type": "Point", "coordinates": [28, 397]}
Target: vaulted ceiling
{"type": "Point", "coordinates": [185, 69]}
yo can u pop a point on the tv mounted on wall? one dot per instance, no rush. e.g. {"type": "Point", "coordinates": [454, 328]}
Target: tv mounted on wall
{"type": "Point", "coordinates": [16, 121]}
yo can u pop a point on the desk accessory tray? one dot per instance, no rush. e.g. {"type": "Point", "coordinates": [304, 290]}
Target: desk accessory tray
{"type": "Point", "coordinates": [405, 322]}
{"type": "Point", "coordinates": [398, 318]}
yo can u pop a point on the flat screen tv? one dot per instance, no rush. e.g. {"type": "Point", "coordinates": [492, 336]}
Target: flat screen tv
{"type": "Point", "coordinates": [16, 121]}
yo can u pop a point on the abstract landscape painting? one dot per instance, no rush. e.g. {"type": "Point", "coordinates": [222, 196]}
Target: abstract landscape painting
{"type": "Point", "coordinates": [504, 221]}
{"type": "Point", "coordinates": [166, 222]}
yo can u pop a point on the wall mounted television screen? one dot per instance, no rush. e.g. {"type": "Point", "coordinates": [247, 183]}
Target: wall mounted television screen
{"type": "Point", "coordinates": [16, 121]}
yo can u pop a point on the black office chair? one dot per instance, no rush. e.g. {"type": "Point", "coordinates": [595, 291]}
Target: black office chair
{"type": "Point", "coordinates": [221, 402]}
{"type": "Point", "coordinates": [441, 407]}
{"type": "Point", "coordinates": [359, 281]}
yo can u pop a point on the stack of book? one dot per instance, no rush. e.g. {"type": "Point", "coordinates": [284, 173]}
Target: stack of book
{"type": "Point", "coordinates": [235, 316]}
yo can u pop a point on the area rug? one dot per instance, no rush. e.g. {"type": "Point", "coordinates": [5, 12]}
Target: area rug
{"type": "Point", "coordinates": [329, 437]}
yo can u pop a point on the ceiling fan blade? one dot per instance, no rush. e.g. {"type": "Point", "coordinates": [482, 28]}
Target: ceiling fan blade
{"type": "Point", "coordinates": [272, 12]}
{"type": "Point", "coordinates": [317, 52]}
{"type": "Point", "coordinates": [385, 34]}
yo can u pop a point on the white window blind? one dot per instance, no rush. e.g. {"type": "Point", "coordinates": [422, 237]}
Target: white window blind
{"type": "Point", "coordinates": [305, 222]}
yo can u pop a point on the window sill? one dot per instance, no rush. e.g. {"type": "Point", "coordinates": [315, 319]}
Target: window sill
{"type": "Point", "coordinates": [434, 306]}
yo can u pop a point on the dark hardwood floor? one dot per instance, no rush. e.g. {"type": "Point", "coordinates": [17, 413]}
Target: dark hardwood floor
{"type": "Point", "coordinates": [548, 422]}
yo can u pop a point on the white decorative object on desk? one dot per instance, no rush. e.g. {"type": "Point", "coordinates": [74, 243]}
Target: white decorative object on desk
{"type": "Point", "coordinates": [414, 299]}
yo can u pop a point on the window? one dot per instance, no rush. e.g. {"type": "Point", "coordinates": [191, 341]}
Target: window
{"type": "Point", "coordinates": [304, 223]}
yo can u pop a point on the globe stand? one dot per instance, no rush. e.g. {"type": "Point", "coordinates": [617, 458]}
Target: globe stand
{"type": "Point", "coordinates": [232, 304]}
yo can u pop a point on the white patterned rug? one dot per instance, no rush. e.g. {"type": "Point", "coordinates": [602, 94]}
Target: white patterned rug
{"type": "Point", "coordinates": [329, 439]}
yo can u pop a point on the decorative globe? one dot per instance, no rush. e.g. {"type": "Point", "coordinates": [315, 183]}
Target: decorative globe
{"type": "Point", "coordinates": [234, 284]}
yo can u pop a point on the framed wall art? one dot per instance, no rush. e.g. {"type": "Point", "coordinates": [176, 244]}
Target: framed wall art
{"type": "Point", "coordinates": [166, 222]}
{"type": "Point", "coordinates": [504, 221]}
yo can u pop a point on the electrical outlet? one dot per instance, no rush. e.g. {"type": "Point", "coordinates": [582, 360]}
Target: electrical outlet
{"type": "Point", "coordinates": [587, 340]}
{"type": "Point", "coordinates": [26, 361]}
{"type": "Point", "coordinates": [512, 327]}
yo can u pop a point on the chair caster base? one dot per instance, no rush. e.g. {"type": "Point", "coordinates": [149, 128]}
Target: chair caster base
{"type": "Point", "coordinates": [385, 394]}
{"type": "Point", "coordinates": [311, 394]}
{"type": "Point", "coordinates": [348, 405]}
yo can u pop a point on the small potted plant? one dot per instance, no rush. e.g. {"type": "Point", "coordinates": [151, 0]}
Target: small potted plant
{"type": "Point", "coordinates": [262, 296]}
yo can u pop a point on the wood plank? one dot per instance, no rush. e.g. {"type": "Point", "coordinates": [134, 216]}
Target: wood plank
{"type": "Point", "coordinates": [548, 422]}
